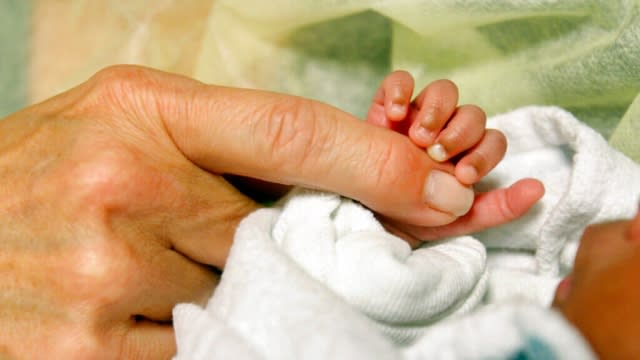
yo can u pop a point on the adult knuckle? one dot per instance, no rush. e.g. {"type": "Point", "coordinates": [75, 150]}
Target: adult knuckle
{"type": "Point", "coordinates": [121, 77]}
{"type": "Point", "coordinates": [289, 131]}
{"type": "Point", "coordinates": [394, 160]}
{"type": "Point", "coordinates": [384, 160]}
{"type": "Point", "coordinates": [100, 181]}
{"type": "Point", "coordinates": [124, 88]}
{"type": "Point", "coordinates": [98, 270]}
{"type": "Point", "coordinates": [76, 343]}
{"type": "Point", "coordinates": [101, 262]}
{"type": "Point", "coordinates": [283, 123]}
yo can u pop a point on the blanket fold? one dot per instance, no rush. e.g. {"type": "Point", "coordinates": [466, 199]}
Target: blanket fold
{"type": "Point", "coordinates": [342, 245]}
{"type": "Point", "coordinates": [586, 182]}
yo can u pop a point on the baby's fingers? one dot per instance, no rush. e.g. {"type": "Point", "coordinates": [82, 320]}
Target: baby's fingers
{"type": "Point", "coordinates": [391, 102]}
{"type": "Point", "coordinates": [398, 89]}
{"type": "Point", "coordinates": [482, 158]}
{"type": "Point", "coordinates": [490, 209]}
{"type": "Point", "coordinates": [464, 131]}
{"type": "Point", "coordinates": [434, 105]}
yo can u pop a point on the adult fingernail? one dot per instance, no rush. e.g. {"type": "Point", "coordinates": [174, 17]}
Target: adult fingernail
{"type": "Point", "coordinates": [437, 152]}
{"type": "Point", "coordinates": [443, 192]}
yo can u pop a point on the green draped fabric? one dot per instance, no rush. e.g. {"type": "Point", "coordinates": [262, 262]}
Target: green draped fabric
{"type": "Point", "coordinates": [582, 55]}
{"type": "Point", "coordinates": [14, 45]}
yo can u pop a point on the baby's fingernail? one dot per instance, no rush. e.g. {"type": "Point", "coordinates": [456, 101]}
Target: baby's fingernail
{"type": "Point", "coordinates": [422, 134]}
{"type": "Point", "coordinates": [443, 192]}
{"type": "Point", "coordinates": [437, 152]}
{"type": "Point", "coordinates": [397, 110]}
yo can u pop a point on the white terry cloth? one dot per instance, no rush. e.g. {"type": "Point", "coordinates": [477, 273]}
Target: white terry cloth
{"type": "Point", "coordinates": [586, 181]}
{"type": "Point", "coordinates": [297, 274]}
{"type": "Point", "coordinates": [267, 307]}
{"type": "Point", "coordinates": [509, 331]}
{"type": "Point", "coordinates": [342, 245]}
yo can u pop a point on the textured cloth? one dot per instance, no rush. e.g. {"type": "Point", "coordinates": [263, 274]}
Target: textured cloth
{"type": "Point", "coordinates": [342, 245]}
{"type": "Point", "coordinates": [509, 331]}
{"type": "Point", "coordinates": [297, 273]}
{"type": "Point", "coordinates": [267, 307]}
{"type": "Point", "coordinates": [577, 54]}
{"type": "Point", "coordinates": [627, 134]}
{"type": "Point", "coordinates": [585, 180]}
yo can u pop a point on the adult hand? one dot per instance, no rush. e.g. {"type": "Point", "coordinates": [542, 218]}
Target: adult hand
{"type": "Point", "coordinates": [104, 224]}
{"type": "Point", "coordinates": [114, 209]}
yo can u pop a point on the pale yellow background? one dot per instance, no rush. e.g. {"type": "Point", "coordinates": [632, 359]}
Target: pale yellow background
{"type": "Point", "coordinates": [581, 55]}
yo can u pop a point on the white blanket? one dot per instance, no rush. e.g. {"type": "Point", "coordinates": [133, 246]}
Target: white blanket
{"type": "Point", "coordinates": [319, 277]}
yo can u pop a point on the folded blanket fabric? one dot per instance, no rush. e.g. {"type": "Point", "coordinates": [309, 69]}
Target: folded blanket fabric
{"type": "Point", "coordinates": [342, 245]}
{"type": "Point", "coordinates": [509, 331]}
{"type": "Point", "coordinates": [586, 182]}
{"type": "Point", "coordinates": [319, 277]}
{"type": "Point", "coordinates": [267, 307]}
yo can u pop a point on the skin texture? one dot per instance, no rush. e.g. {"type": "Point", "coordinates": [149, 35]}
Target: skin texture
{"type": "Point", "coordinates": [601, 297]}
{"type": "Point", "coordinates": [435, 119]}
{"type": "Point", "coordinates": [114, 205]}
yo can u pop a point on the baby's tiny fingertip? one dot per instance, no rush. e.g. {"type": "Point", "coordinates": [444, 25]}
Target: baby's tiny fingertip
{"type": "Point", "coordinates": [397, 111]}
{"type": "Point", "coordinates": [437, 152]}
{"type": "Point", "coordinates": [420, 136]}
{"type": "Point", "coordinates": [467, 174]}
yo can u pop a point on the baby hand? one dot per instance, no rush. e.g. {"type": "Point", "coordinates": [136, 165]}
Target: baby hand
{"type": "Point", "coordinates": [435, 121]}
{"type": "Point", "coordinates": [456, 138]}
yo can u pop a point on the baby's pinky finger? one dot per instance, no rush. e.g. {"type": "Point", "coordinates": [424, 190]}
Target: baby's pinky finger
{"type": "Point", "coordinates": [482, 158]}
{"type": "Point", "coordinates": [397, 89]}
{"type": "Point", "coordinates": [392, 100]}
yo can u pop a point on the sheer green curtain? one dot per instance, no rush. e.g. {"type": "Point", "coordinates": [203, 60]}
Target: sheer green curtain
{"type": "Point", "coordinates": [14, 47]}
{"type": "Point", "coordinates": [578, 54]}
{"type": "Point", "coordinates": [582, 55]}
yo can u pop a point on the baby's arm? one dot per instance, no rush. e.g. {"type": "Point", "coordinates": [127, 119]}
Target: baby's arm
{"type": "Point", "coordinates": [435, 121]}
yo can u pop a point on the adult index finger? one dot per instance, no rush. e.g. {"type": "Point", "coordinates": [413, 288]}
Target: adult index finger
{"type": "Point", "coordinates": [290, 140]}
